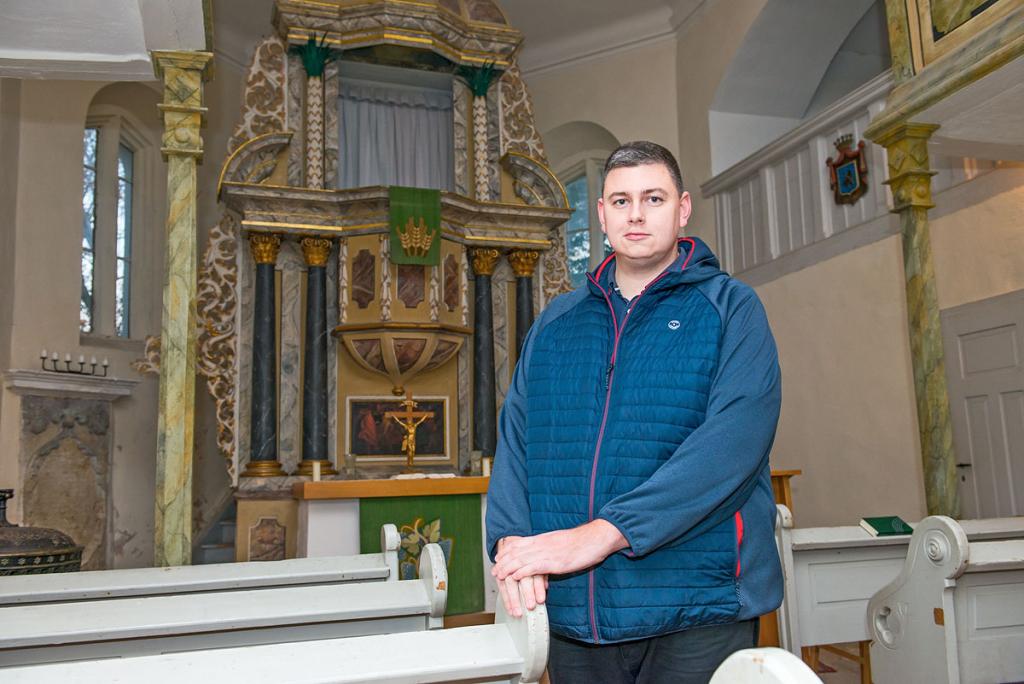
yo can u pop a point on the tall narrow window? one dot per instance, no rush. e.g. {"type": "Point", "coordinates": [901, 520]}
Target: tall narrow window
{"type": "Point", "coordinates": [577, 230]}
{"type": "Point", "coordinates": [122, 283]}
{"type": "Point", "coordinates": [85, 309]}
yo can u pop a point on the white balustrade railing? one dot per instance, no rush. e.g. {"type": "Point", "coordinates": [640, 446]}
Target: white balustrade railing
{"type": "Point", "coordinates": [778, 199]}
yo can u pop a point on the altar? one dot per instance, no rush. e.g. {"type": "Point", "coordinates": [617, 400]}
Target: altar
{"type": "Point", "coordinates": [344, 517]}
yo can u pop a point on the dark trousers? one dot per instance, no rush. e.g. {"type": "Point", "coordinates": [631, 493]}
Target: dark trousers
{"type": "Point", "coordinates": [687, 657]}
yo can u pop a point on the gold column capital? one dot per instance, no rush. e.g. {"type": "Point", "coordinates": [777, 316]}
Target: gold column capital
{"type": "Point", "coordinates": [316, 250]}
{"type": "Point", "coordinates": [484, 260]}
{"type": "Point", "coordinates": [910, 173]}
{"type": "Point", "coordinates": [265, 247]}
{"type": "Point", "coordinates": [523, 262]}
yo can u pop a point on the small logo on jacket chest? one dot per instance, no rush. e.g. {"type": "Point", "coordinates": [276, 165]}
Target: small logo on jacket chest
{"type": "Point", "coordinates": [673, 325]}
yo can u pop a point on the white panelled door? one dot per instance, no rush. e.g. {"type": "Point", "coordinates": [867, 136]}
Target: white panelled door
{"type": "Point", "coordinates": [983, 343]}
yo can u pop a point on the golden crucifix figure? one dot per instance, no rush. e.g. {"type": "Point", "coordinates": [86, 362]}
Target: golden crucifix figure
{"type": "Point", "coordinates": [410, 420]}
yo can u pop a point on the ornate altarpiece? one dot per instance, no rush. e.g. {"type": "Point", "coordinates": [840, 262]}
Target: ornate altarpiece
{"type": "Point", "coordinates": [391, 324]}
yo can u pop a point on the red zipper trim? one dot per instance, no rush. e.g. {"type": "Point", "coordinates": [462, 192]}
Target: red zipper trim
{"type": "Point", "coordinates": [739, 539]}
{"type": "Point", "coordinates": [604, 419]}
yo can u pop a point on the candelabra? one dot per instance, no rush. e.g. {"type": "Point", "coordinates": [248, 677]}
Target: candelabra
{"type": "Point", "coordinates": [53, 364]}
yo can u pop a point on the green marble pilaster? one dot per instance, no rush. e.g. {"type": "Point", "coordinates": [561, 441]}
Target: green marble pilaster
{"type": "Point", "coordinates": [910, 179]}
{"type": "Point", "coordinates": [899, 40]}
{"type": "Point", "coordinates": [183, 74]}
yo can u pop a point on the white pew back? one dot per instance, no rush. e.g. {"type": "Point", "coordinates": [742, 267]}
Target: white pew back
{"type": "Point", "coordinates": [106, 584]}
{"type": "Point", "coordinates": [136, 625]}
{"type": "Point", "coordinates": [830, 573]}
{"type": "Point", "coordinates": [954, 614]}
{"type": "Point", "coordinates": [511, 650]}
{"type": "Point", "coordinates": [764, 666]}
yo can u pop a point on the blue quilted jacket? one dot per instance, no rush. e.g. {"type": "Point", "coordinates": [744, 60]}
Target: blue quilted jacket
{"type": "Point", "coordinates": [661, 424]}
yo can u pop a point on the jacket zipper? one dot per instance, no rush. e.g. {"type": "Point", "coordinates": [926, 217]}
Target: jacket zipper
{"type": "Point", "coordinates": [609, 376]}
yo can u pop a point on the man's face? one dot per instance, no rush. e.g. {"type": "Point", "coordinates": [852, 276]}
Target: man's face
{"type": "Point", "coordinates": [641, 212]}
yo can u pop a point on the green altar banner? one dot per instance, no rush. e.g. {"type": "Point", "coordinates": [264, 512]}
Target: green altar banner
{"type": "Point", "coordinates": [452, 521]}
{"type": "Point", "coordinates": [415, 225]}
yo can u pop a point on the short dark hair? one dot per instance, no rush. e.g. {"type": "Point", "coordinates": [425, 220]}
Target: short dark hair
{"type": "Point", "coordinates": [640, 152]}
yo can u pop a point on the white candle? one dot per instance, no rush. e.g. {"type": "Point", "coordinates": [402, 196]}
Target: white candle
{"type": "Point", "coordinates": [93, 361]}
{"type": "Point", "coordinates": [54, 356]}
{"type": "Point", "coordinates": [316, 471]}
{"type": "Point", "coordinates": [42, 354]}
{"type": "Point", "coordinates": [105, 363]}
{"type": "Point", "coordinates": [486, 466]}
{"type": "Point", "coordinates": [81, 358]}
{"type": "Point", "coordinates": [67, 358]}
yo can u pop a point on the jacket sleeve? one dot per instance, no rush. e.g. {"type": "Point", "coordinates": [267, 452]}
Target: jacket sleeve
{"type": "Point", "coordinates": [508, 504]}
{"type": "Point", "coordinates": [714, 471]}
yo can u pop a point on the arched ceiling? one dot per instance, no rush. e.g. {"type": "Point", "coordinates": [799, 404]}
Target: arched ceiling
{"type": "Point", "coordinates": [784, 56]}
{"type": "Point", "coordinates": [95, 39]}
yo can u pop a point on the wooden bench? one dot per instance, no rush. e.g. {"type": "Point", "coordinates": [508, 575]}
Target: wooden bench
{"type": "Point", "coordinates": [127, 625]}
{"type": "Point", "coordinates": [954, 614]}
{"type": "Point", "coordinates": [511, 650]}
{"type": "Point", "coordinates": [103, 584]}
{"type": "Point", "coordinates": [831, 572]}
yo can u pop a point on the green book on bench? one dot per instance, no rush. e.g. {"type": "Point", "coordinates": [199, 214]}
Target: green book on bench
{"type": "Point", "coordinates": [886, 526]}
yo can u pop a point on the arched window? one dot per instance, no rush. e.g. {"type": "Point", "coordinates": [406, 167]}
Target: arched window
{"type": "Point", "coordinates": [113, 177]}
{"type": "Point", "coordinates": [578, 151]}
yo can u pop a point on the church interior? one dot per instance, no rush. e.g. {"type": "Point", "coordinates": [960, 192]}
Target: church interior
{"type": "Point", "coordinates": [298, 244]}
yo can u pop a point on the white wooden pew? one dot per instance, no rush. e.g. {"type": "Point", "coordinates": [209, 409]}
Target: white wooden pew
{"type": "Point", "coordinates": [511, 650]}
{"type": "Point", "coordinates": [105, 584]}
{"type": "Point", "coordinates": [954, 614]}
{"type": "Point", "coordinates": [164, 623]}
{"type": "Point", "coordinates": [830, 574]}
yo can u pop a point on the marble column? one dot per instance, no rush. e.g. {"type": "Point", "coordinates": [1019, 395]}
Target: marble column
{"type": "Point", "coordinates": [263, 416]}
{"type": "Point", "coordinates": [910, 180]}
{"type": "Point", "coordinates": [485, 432]}
{"type": "Point", "coordinates": [523, 263]}
{"type": "Point", "coordinates": [182, 74]}
{"type": "Point", "coordinates": [314, 377]}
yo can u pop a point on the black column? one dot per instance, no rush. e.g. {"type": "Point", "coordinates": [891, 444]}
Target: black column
{"type": "Point", "coordinates": [485, 432]}
{"type": "Point", "coordinates": [523, 264]}
{"type": "Point", "coordinates": [263, 418]}
{"type": "Point", "coordinates": [314, 379]}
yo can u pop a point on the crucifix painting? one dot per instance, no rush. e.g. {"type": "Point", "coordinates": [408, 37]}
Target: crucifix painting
{"type": "Point", "coordinates": [374, 435]}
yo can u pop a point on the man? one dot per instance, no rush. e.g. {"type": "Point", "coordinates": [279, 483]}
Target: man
{"type": "Point", "coordinates": [631, 490]}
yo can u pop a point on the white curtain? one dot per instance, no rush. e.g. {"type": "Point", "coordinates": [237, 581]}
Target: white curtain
{"type": "Point", "coordinates": [395, 135]}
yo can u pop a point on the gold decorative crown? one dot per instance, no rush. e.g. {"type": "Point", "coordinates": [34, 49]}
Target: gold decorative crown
{"type": "Point", "coordinates": [416, 238]}
{"type": "Point", "coordinates": [844, 141]}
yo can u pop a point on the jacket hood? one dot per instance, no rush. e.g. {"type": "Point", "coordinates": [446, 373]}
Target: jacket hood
{"type": "Point", "coordinates": [696, 263]}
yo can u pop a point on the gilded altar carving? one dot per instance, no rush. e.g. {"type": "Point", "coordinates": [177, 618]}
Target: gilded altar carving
{"type": "Point", "coordinates": [316, 250]}
{"type": "Point", "coordinates": [216, 306]}
{"type": "Point", "coordinates": [265, 247]}
{"type": "Point", "coordinates": [519, 135]}
{"type": "Point", "coordinates": [484, 261]}
{"type": "Point", "coordinates": [263, 107]}
{"type": "Point", "coordinates": [523, 262]}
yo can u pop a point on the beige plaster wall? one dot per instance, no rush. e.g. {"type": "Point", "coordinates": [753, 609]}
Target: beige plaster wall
{"type": "Point", "coordinates": [630, 93]}
{"type": "Point", "coordinates": [10, 101]}
{"type": "Point", "coordinates": [47, 253]}
{"type": "Point", "coordinates": [848, 415]}
{"type": "Point", "coordinates": [46, 207]}
{"type": "Point", "coordinates": [978, 238]}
